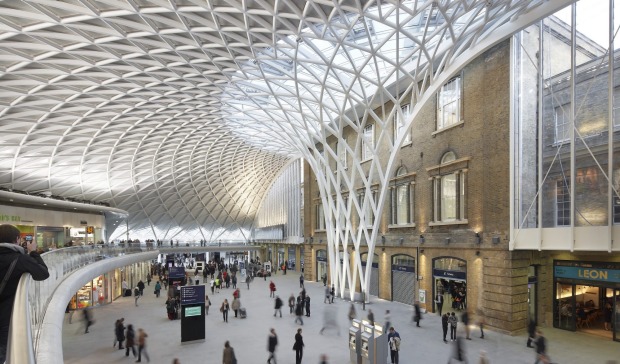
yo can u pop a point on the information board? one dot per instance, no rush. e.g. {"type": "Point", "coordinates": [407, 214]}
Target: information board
{"type": "Point", "coordinates": [193, 311]}
{"type": "Point", "coordinates": [191, 295]}
{"type": "Point", "coordinates": [176, 272]}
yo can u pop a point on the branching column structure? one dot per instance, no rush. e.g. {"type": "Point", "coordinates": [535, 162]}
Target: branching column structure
{"type": "Point", "coordinates": [403, 61]}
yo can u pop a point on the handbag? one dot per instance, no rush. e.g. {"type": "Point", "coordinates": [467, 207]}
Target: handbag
{"type": "Point", "coordinates": [8, 274]}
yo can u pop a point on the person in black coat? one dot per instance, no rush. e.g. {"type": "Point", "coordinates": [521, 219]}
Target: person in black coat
{"type": "Point", "coordinates": [272, 342]}
{"type": "Point", "coordinates": [444, 326]}
{"type": "Point", "coordinates": [298, 347]}
{"type": "Point", "coordinates": [417, 316]}
{"type": "Point", "coordinates": [119, 331]}
{"type": "Point", "coordinates": [308, 306]}
{"type": "Point", "coordinates": [531, 333]}
{"type": "Point", "coordinates": [27, 260]}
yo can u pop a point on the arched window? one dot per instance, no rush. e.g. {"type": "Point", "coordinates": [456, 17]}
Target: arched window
{"type": "Point", "coordinates": [449, 179]}
{"type": "Point", "coordinates": [402, 198]}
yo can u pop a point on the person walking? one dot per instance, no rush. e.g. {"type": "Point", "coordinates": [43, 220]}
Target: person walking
{"type": "Point", "coordinates": [459, 351]}
{"type": "Point", "coordinates": [157, 289]}
{"type": "Point", "coordinates": [291, 303]}
{"type": "Point", "coordinates": [236, 305]}
{"type": "Point", "coordinates": [212, 284]}
{"type": "Point", "coordinates": [119, 331]}
{"type": "Point", "coordinates": [417, 313]}
{"type": "Point", "coordinates": [541, 348]}
{"type": "Point", "coordinates": [299, 313]}
{"type": "Point", "coordinates": [234, 281]}
{"type": "Point", "coordinates": [324, 278]}
{"type": "Point", "coordinates": [272, 343]}
{"type": "Point", "coordinates": [307, 306]}
{"type": "Point", "coordinates": [352, 313]}
{"type": "Point", "coordinates": [278, 306]}
{"type": "Point", "coordinates": [333, 293]}
{"type": "Point", "coordinates": [301, 281]}
{"type": "Point", "coordinates": [224, 310]}
{"type": "Point", "coordinates": [228, 356]}
{"type": "Point", "coordinates": [298, 347]}
{"type": "Point", "coordinates": [248, 279]}
{"type": "Point", "coordinates": [328, 295]}
{"type": "Point", "coordinates": [453, 323]}
{"type": "Point", "coordinates": [481, 322]}
{"type": "Point", "coordinates": [148, 279]}
{"type": "Point", "coordinates": [387, 324]}
{"type": "Point", "coordinates": [371, 317]}
{"type": "Point", "coordinates": [444, 326]}
{"type": "Point", "coordinates": [465, 321]}
{"type": "Point", "coordinates": [88, 319]}
{"type": "Point", "coordinates": [439, 302]}
{"type": "Point", "coordinates": [141, 287]}
{"type": "Point", "coordinates": [207, 304]}
{"type": "Point", "coordinates": [394, 344]}
{"type": "Point", "coordinates": [130, 337]}
{"type": "Point", "coordinates": [137, 295]}
{"type": "Point", "coordinates": [142, 346]}
{"type": "Point", "coordinates": [272, 289]}
{"type": "Point", "coordinates": [531, 330]}
{"type": "Point", "coordinates": [15, 260]}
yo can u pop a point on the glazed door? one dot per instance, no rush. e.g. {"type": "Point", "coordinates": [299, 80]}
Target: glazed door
{"type": "Point", "coordinates": [565, 306]}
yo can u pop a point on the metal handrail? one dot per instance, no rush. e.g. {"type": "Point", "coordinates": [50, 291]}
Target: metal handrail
{"type": "Point", "coordinates": [32, 297]}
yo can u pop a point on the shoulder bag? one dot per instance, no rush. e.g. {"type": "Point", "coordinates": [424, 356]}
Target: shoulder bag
{"type": "Point", "coordinates": [8, 274]}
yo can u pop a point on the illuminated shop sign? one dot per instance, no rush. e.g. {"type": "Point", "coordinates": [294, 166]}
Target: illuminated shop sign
{"type": "Point", "coordinates": [587, 271]}
{"type": "Point", "coordinates": [10, 218]}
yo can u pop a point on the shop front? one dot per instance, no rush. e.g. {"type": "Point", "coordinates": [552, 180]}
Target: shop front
{"type": "Point", "coordinates": [450, 280]}
{"type": "Point", "coordinates": [92, 294]}
{"type": "Point", "coordinates": [587, 297]}
{"type": "Point", "coordinates": [292, 261]}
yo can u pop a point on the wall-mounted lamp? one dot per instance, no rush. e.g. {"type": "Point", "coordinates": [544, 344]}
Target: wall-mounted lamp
{"type": "Point", "coordinates": [422, 240]}
{"type": "Point", "coordinates": [477, 253]}
{"type": "Point", "coordinates": [311, 239]}
{"type": "Point", "coordinates": [421, 251]}
{"type": "Point", "coordinates": [383, 239]}
{"type": "Point", "coordinates": [495, 240]}
{"type": "Point", "coordinates": [478, 240]}
{"type": "Point", "coordinates": [401, 241]}
{"type": "Point", "coordinates": [321, 241]}
{"type": "Point", "coordinates": [447, 241]}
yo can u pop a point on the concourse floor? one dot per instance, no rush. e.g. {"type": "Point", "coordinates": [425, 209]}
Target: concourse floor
{"type": "Point", "coordinates": [249, 336]}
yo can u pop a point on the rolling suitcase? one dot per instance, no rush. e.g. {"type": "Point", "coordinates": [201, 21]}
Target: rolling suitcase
{"type": "Point", "coordinates": [242, 313]}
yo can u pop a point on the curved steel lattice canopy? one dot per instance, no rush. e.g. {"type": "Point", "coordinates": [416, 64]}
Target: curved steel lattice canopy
{"type": "Point", "coordinates": [183, 111]}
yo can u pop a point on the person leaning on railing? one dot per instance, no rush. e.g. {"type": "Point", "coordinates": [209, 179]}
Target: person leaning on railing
{"type": "Point", "coordinates": [14, 261]}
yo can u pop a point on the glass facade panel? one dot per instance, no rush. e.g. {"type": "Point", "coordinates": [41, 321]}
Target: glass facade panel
{"type": "Point", "coordinates": [448, 197]}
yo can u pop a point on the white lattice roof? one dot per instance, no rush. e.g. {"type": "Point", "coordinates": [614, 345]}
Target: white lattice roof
{"type": "Point", "coordinates": [183, 111]}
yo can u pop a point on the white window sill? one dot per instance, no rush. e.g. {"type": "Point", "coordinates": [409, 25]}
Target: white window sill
{"type": "Point", "coordinates": [319, 230]}
{"type": "Point", "coordinates": [444, 223]}
{"type": "Point", "coordinates": [460, 123]}
{"type": "Point", "coordinates": [366, 161]}
{"type": "Point", "coordinates": [408, 144]}
{"type": "Point", "coordinates": [401, 226]}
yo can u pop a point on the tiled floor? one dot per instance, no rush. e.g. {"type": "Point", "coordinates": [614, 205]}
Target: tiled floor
{"type": "Point", "coordinates": [249, 336]}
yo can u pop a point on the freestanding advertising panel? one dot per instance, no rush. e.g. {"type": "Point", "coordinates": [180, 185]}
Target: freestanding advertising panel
{"type": "Point", "coordinates": [192, 313]}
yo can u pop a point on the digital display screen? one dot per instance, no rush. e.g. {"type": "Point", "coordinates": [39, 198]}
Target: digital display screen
{"type": "Point", "coordinates": [192, 311]}
{"type": "Point", "coordinates": [28, 237]}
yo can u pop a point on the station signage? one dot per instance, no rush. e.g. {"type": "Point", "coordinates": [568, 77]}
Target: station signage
{"type": "Point", "coordinates": [587, 271]}
{"type": "Point", "coordinates": [191, 295]}
{"type": "Point", "coordinates": [449, 274]}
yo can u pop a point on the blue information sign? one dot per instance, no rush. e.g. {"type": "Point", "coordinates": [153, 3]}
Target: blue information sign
{"type": "Point", "coordinates": [191, 295]}
{"type": "Point", "coordinates": [176, 272]}
{"type": "Point", "coordinates": [449, 274]}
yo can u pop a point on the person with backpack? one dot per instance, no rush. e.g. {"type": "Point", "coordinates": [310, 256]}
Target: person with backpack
{"type": "Point", "coordinates": [394, 343]}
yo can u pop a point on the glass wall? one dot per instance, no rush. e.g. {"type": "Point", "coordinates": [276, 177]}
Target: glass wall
{"type": "Point", "coordinates": [566, 88]}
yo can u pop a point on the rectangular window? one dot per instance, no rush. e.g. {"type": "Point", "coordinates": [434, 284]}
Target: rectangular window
{"type": "Point", "coordinates": [369, 214]}
{"type": "Point", "coordinates": [399, 124]}
{"type": "Point", "coordinates": [448, 197]}
{"type": "Point", "coordinates": [449, 104]}
{"type": "Point", "coordinates": [320, 217]}
{"type": "Point", "coordinates": [402, 205]}
{"type": "Point", "coordinates": [563, 202]}
{"type": "Point", "coordinates": [368, 142]}
{"type": "Point", "coordinates": [562, 123]}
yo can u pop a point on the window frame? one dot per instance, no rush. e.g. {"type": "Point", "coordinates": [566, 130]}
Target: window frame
{"type": "Point", "coordinates": [400, 117]}
{"type": "Point", "coordinates": [368, 146]}
{"type": "Point", "coordinates": [449, 168]}
{"type": "Point", "coordinates": [401, 180]}
{"type": "Point", "coordinates": [562, 202]}
{"type": "Point", "coordinates": [441, 123]}
{"type": "Point", "coordinates": [562, 126]}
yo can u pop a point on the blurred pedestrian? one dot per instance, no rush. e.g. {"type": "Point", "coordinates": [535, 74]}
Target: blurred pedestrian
{"type": "Point", "coordinates": [130, 337]}
{"type": "Point", "coordinates": [272, 343]}
{"type": "Point", "coordinates": [307, 306]}
{"type": "Point", "coordinates": [417, 313]}
{"type": "Point", "coordinates": [444, 326]}
{"type": "Point", "coordinates": [291, 303]}
{"type": "Point", "coordinates": [229, 354]}
{"type": "Point", "coordinates": [465, 321]}
{"type": "Point", "coordinates": [301, 280]}
{"type": "Point", "coordinates": [387, 324]}
{"type": "Point", "coordinates": [541, 348]}
{"type": "Point", "coordinates": [88, 319]}
{"type": "Point", "coordinates": [453, 323]}
{"type": "Point", "coordinates": [278, 306]}
{"type": "Point", "coordinates": [142, 346]}
{"type": "Point", "coordinates": [323, 359]}
{"type": "Point", "coordinates": [483, 358]}
{"type": "Point", "coordinates": [352, 313]}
